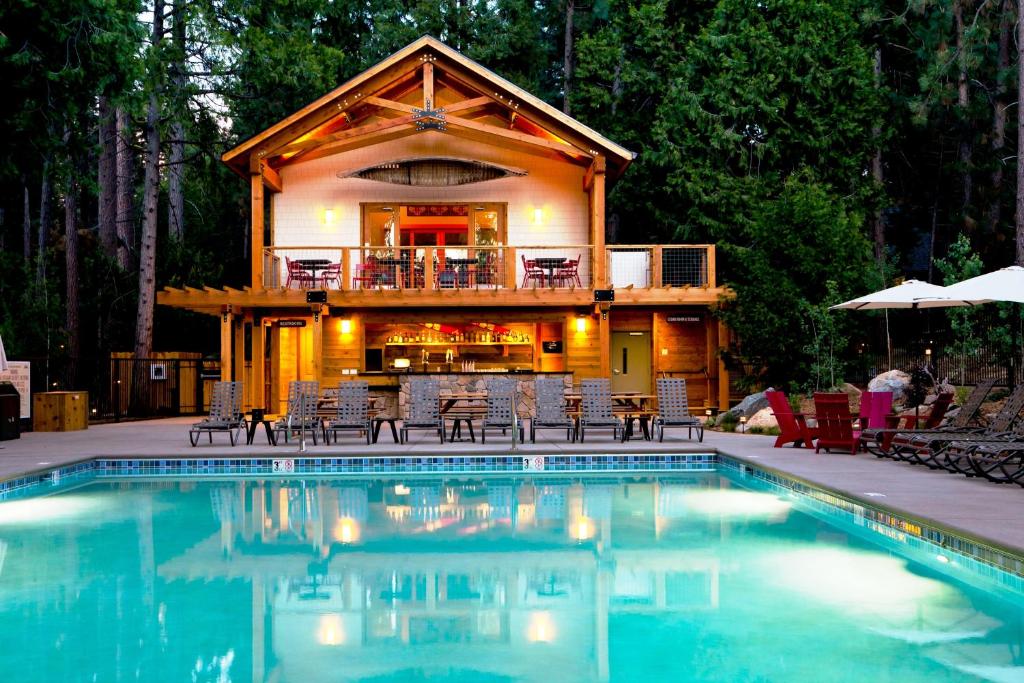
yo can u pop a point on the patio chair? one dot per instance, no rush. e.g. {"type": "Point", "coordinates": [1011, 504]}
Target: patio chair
{"type": "Point", "coordinates": [569, 273]}
{"type": "Point", "coordinates": [297, 274]}
{"type": "Point", "coordinates": [424, 411]}
{"type": "Point", "coordinates": [901, 424]}
{"type": "Point", "coordinates": [367, 274]}
{"type": "Point", "coordinates": [353, 411]}
{"type": "Point", "coordinates": [835, 423]}
{"type": "Point", "coordinates": [531, 272]}
{"type": "Point", "coordinates": [950, 450]}
{"type": "Point", "coordinates": [501, 408]}
{"type": "Point", "coordinates": [332, 273]}
{"type": "Point", "coordinates": [225, 414]}
{"type": "Point", "coordinates": [674, 409]}
{"type": "Point", "coordinates": [301, 416]}
{"type": "Point", "coordinates": [1000, 461]}
{"type": "Point", "coordinates": [550, 408]}
{"type": "Point", "coordinates": [792, 426]}
{"type": "Point", "coordinates": [596, 411]}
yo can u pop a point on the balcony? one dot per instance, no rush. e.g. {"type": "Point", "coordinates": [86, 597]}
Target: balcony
{"type": "Point", "coordinates": [560, 269]}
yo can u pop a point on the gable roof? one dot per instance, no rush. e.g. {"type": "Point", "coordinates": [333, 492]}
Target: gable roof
{"type": "Point", "coordinates": [369, 108]}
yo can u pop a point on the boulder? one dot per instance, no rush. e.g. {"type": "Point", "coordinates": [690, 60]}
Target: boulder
{"type": "Point", "coordinates": [762, 418]}
{"type": "Point", "coordinates": [895, 381]}
{"type": "Point", "coordinates": [750, 404]}
{"type": "Point", "coordinates": [850, 390]}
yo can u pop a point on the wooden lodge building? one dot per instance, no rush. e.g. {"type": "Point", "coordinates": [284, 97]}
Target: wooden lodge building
{"type": "Point", "coordinates": [430, 216]}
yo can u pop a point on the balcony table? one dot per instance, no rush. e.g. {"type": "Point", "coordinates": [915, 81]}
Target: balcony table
{"type": "Point", "coordinates": [550, 264]}
{"type": "Point", "coordinates": [398, 267]}
{"type": "Point", "coordinates": [313, 265]}
{"type": "Point", "coordinates": [462, 269]}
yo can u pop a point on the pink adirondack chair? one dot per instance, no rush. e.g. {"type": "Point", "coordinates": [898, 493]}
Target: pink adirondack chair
{"type": "Point", "coordinates": [875, 407]}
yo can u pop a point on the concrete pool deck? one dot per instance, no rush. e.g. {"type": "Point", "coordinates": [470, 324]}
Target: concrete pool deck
{"type": "Point", "coordinates": [975, 508]}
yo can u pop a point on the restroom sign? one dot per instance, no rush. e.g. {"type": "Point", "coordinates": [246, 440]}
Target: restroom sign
{"type": "Point", "coordinates": [283, 466]}
{"type": "Point", "coordinates": [533, 464]}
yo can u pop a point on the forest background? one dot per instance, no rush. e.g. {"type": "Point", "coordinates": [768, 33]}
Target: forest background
{"type": "Point", "coordinates": [827, 147]}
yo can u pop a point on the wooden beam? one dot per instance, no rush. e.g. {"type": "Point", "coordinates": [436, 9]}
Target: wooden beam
{"type": "Point", "coordinates": [598, 165]}
{"type": "Point", "coordinates": [391, 104]}
{"type": "Point", "coordinates": [464, 105]}
{"type": "Point", "coordinates": [712, 275]}
{"type": "Point", "coordinates": [349, 133]}
{"type": "Point", "coordinates": [349, 145]}
{"type": "Point", "coordinates": [604, 335]}
{"type": "Point", "coordinates": [271, 178]}
{"type": "Point", "coordinates": [723, 372]}
{"type": "Point", "coordinates": [428, 85]}
{"type": "Point", "coordinates": [258, 374]}
{"type": "Point", "coordinates": [600, 260]}
{"type": "Point", "coordinates": [526, 138]}
{"type": "Point", "coordinates": [318, 345]}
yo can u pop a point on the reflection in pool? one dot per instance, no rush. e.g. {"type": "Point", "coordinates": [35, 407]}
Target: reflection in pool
{"type": "Point", "coordinates": [691, 578]}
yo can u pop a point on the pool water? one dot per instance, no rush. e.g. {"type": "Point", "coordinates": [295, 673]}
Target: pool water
{"type": "Point", "coordinates": [682, 578]}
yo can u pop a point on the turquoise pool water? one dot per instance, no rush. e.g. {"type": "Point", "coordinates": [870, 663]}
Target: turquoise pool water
{"type": "Point", "coordinates": [682, 578]}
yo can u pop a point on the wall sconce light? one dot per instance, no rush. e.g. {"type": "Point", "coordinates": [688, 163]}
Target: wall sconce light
{"type": "Point", "coordinates": [928, 353]}
{"type": "Point", "coordinates": [538, 216]}
{"type": "Point", "coordinates": [328, 217]}
{"type": "Point", "coordinates": [346, 326]}
{"type": "Point", "coordinates": [664, 351]}
{"type": "Point", "coordinates": [581, 324]}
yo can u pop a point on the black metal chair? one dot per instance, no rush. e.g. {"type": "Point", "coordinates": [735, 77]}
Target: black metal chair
{"type": "Point", "coordinates": [501, 407]}
{"type": "Point", "coordinates": [424, 411]}
{"type": "Point", "coordinates": [225, 414]}
{"type": "Point", "coordinates": [674, 409]}
{"type": "Point", "coordinates": [352, 412]}
{"type": "Point", "coordinates": [550, 408]}
{"type": "Point", "coordinates": [597, 411]}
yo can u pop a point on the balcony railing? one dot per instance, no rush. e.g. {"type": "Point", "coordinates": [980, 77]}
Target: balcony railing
{"type": "Point", "coordinates": [478, 267]}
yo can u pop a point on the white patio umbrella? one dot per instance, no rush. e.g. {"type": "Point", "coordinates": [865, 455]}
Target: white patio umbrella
{"type": "Point", "coordinates": [909, 294]}
{"type": "Point", "coordinates": [999, 285]}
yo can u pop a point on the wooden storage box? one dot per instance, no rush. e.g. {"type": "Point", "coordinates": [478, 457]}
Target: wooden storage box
{"type": "Point", "coordinates": [60, 411]}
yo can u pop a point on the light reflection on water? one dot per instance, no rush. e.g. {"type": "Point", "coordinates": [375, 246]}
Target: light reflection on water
{"type": "Point", "coordinates": [684, 578]}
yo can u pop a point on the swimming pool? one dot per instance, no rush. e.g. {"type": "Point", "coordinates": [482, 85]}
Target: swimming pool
{"type": "Point", "coordinates": [686, 576]}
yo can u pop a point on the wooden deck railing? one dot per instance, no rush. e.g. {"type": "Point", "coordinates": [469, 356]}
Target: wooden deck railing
{"type": "Point", "coordinates": [491, 267]}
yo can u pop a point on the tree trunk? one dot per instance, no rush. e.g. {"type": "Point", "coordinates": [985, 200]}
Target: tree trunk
{"type": "Point", "coordinates": [150, 198]}
{"type": "Point", "coordinates": [71, 264]}
{"type": "Point", "coordinates": [44, 224]}
{"type": "Point", "coordinates": [106, 180]}
{"type": "Point", "coordinates": [176, 167]}
{"type": "Point", "coordinates": [877, 173]}
{"type": "Point", "coordinates": [1020, 137]}
{"type": "Point", "coordinates": [125, 176]}
{"type": "Point", "coordinates": [570, 9]}
{"type": "Point", "coordinates": [26, 223]}
{"type": "Point", "coordinates": [963, 100]}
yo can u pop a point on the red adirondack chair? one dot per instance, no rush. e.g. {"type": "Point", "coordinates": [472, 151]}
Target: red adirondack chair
{"type": "Point", "coordinates": [906, 423]}
{"type": "Point", "coordinates": [792, 425]}
{"type": "Point", "coordinates": [835, 423]}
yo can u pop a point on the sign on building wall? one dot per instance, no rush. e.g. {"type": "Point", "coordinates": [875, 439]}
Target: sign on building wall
{"type": "Point", "coordinates": [552, 346]}
{"type": "Point", "coordinates": [688, 318]}
{"type": "Point", "coordinates": [291, 323]}
{"type": "Point", "coordinates": [20, 375]}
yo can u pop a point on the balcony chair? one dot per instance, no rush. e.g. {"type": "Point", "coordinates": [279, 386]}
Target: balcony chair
{"type": "Point", "coordinates": [531, 272]}
{"type": "Point", "coordinates": [331, 274]}
{"type": "Point", "coordinates": [674, 409]}
{"type": "Point", "coordinates": [424, 410]}
{"type": "Point", "coordinates": [225, 414]}
{"type": "Point", "coordinates": [353, 411]}
{"type": "Point", "coordinates": [367, 274]}
{"type": "Point", "coordinates": [301, 416]}
{"type": "Point", "coordinates": [569, 273]}
{"type": "Point", "coordinates": [501, 408]}
{"type": "Point", "coordinates": [596, 410]}
{"type": "Point", "coordinates": [550, 408]}
{"type": "Point", "coordinates": [792, 426]}
{"type": "Point", "coordinates": [297, 274]}
{"type": "Point", "coordinates": [835, 423]}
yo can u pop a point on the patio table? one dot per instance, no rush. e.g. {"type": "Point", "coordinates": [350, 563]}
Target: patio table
{"type": "Point", "coordinates": [313, 265]}
{"type": "Point", "coordinates": [399, 268]}
{"type": "Point", "coordinates": [462, 269]}
{"type": "Point", "coordinates": [550, 264]}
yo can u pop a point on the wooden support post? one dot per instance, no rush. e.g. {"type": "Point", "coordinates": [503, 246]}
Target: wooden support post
{"type": "Point", "coordinates": [510, 268]}
{"type": "Point", "coordinates": [712, 275]}
{"type": "Point", "coordinates": [428, 85]}
{"type": "Point", "coordinates": [274, 405]}
{"type": "Point", "coordinates": [318, 344]}
{"type": "Point", "coordinates": [604, 330]}
{"type": "Point", "coordinates": [226, 323]}
{"type": "Point", "coordinates": [346, 269]}
{"type": "Point", "coordinates": [599, 259]}
{"type": "Point", "coordinates": [428, 268]}
{"type": "Point", "coordinates": [656, 268]}
{"type": "Point", "coordinates": [710, 356]}
{"type": "Point", "coordinates": [723, 372]}
{"type": "Point", "coordinates": [248, 384]}
{"type": "Point", "coordinates": [258, 394]}
{"type": "Point", "coordinates": [238, 355]}
{"type": "Point", "coordinates": [256, 211]}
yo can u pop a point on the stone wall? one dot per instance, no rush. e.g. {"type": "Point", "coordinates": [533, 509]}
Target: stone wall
{"type": "Point", "coordinates": [456, 383]}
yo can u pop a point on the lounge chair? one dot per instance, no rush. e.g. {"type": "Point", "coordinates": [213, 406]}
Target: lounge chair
{"type": "Point", "coordinates": [597, 411]}
{"type": "Point", "coordinates": [501, 408]}
{"type": "Point", "coordinates": [225, 414]}
{"type": "Point", "coordinates": [952, 451]}
{"type": "Point", "coordinates": [880, 441]}
{"type": "Point", "coordinates": [999, 461]}
{"type": "Point", "coordinates": [550, 408]}
{"type": "Point", "coordinates": [353, 411]}
{"type": "Point", "coordinates": [835, 423]}
{"type": "Point", "coordinates": [674, 409]}
{"type": "Point", "coordinates": [424, 411]}
{"type": "Point", "coordinates": [301, 416]}
{"type": "Point", "coordinates": [792, 426]}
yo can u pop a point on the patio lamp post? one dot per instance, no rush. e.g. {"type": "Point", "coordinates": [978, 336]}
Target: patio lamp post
{"type": "Point", "coordinates": [743, 424]}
